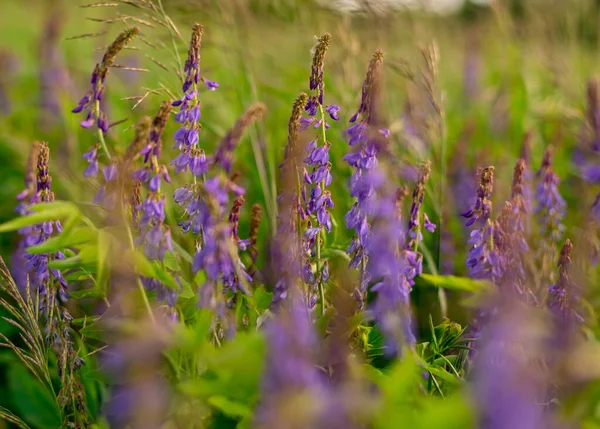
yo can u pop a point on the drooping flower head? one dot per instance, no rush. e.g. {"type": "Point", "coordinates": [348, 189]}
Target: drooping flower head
{"type": "Point", "coordinates": [90, 103]}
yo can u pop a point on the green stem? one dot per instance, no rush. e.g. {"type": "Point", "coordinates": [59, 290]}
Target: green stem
{"type": "Point", "coordinates": [139, 282]}
{"type": "Point", "coordinates": [101, 134]}
{"type": "Point", "coordinates": [322, 185]}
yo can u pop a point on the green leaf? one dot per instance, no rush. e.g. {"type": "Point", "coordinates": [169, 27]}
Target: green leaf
{"type": "Point", "coordinates": [171, 262]}
{"type": "Point", "coordinates": [87, 255]}
{"type": "Point", "coordinates": [456, 283]}
{"type": "Point", "coordinates": [444, 375]}
{"type": "Point", "coordinates": [94, 330]}
{"type": "Point", "coordinates": [68, 238]}
{"type": "Point", "coordinates": [186, 289]}
{"type": "Point", "coordinates": [262, 298]}
{"type": "Point", "coordinates": [153, 269]}
{"type": "Point", "coordinates": [57, 210]}
{"type": "Point", "coordinates": [229, 407]}
{"type": "Point", "coordinates": [34, 402]}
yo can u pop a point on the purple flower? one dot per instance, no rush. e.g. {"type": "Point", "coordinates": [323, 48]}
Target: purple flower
{"type": "Point", "coordinates": [481, 259]}
{"type": "Point", "coordinates": [91, 157]}
{"type": "Point", "coordinates": [564, 293]}
{"type": "Point", "coordinates": [333, 110]}
{"type": "Point", "coordinates": [508, 389]}
{"type": "Point", "coordinates": [90, 102]}
{"type": "Point", "coordinates": [393, 271]}
{"type": "Point", "coordinates": [293, 371]}
{"type": "Point", "coordinates": [210, 85]}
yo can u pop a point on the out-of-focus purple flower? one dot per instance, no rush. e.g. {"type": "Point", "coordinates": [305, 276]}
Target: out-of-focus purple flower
{"type": "Point", "coordinates": [564, 293]}
{"type": "Point", "coordinates": [550, 210]}
{"type": "Point", "coordinates": [392, 265]}
{"type": "Point", "coordinates": [293, 373]}
{"type": "Point", "coordinates": [91, 157]}
{"type": "Point", "coordinates": [286, 246]}
{"type": "Point", "coordinates": [508, 384]}
{"type": "Point", "coordinates": [210, 85]}
{"type": "Point", "coordinates": [363, 160]}
{"type": "Point", "coordinates": [139, 398]}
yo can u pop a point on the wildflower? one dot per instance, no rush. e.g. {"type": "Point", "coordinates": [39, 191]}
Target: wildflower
{"type": "Point", "coordinates": [52, 289]}
{"type": "Point", "coordinates": [90, 103]}
{"type": "Point", "coordinates": [191, 157]}
{"type": "Point", "coordinates": [392, 265]}
{"type": "Point", "coordinates": [508, 386]}
{"type": "Point", "coordinates": [286, 248]}
{"type": "Point", "coordinates": [483, 257]}
{"type": "Point", "coordinates": [24, 197]}
{"type": "Point", "coordinates": [564, 293]}
{"type": "Point", "coordinates": [550, 210]}
{"type": "Point", "coordinates": [363, 159]}
{"type": "Point", "coordinates": [138, 397]}
{"type": "Point", "coordinates": [414, 223]}
{"type": "Point", "coordinates": [293, 375]}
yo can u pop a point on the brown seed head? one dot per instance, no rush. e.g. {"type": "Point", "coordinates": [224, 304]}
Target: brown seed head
{"type": "Point", "coordinates": [135, 200]}
{"type": "Point", "coordinates": [140, 140]}
{"type": "Point", "coordinates": [122, 40]}
{"type": "Point", "coordinates": [234, 216]}
{"type": "Point", "coordinates": [371, 87]}
{"type": "Point", "coordinates": [316, 76]}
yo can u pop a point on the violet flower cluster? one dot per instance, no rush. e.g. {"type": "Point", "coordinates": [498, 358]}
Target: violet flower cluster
{"type": "Point", "coordinates": [287, 246]}
{"type": "Point", "coordinates": [317, 174]}
{"type": "Point", "coordinates": [191, 157]}
{"type": "Point", "coordinates": [551, 207]}
{"type": "Point", "coordinates": [154, 235]}
{"type": "Point", "coordinates": [563, 295]}
{"type": "Point", "coordinates": [414, 222]}
{"type": "Point", "coordinates": [483, 261]}
{"type": "Point", "coordinates": [90, 102]}
{"type": "Point", "coordinates": [363, 159]}
{"type": "Point", "coordinates": [392, 265]}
